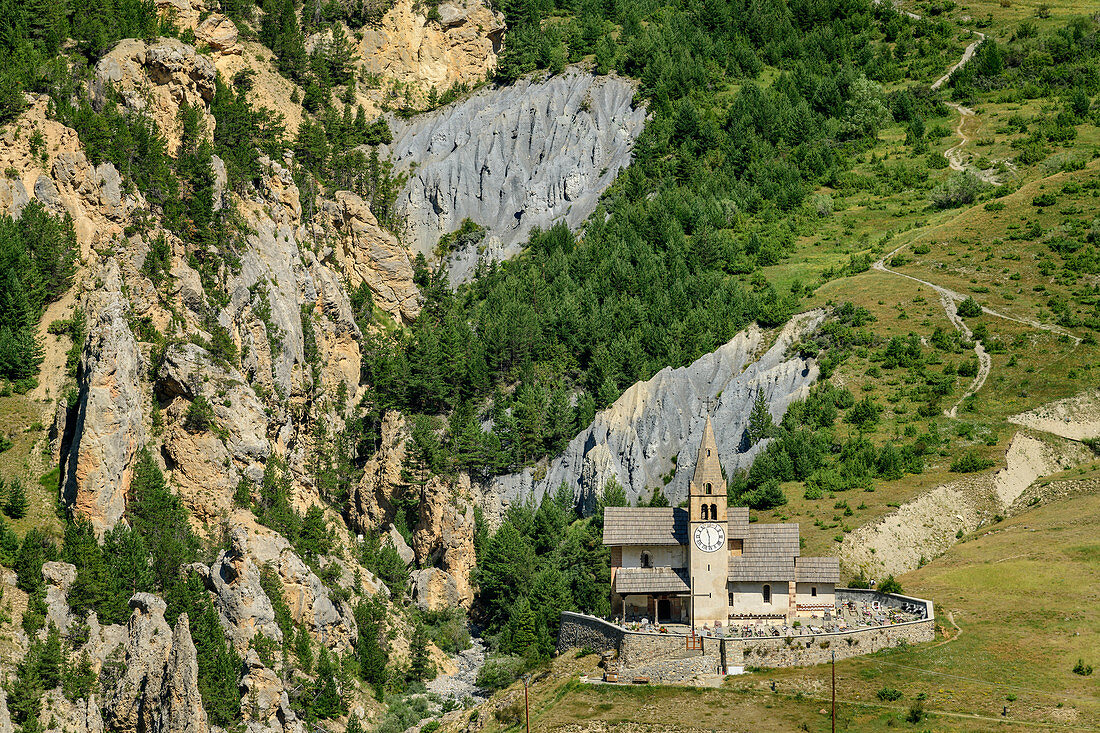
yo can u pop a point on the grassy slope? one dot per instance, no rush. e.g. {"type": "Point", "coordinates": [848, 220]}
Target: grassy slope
{"type": "Point", "coordinates": [1026, 594]}
{"type": "Point", "coordinates": [1024, 591]}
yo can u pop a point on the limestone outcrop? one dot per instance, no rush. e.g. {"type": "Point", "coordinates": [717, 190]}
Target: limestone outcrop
{"type": "Point", "coordinates": [109, 430]}
{"type": "Point", "coordinates": [158, 77]}
{"type": "Point", "coordinates": [218, 32]}
{"type": "Point", "coordinates": [460, 47]}
{"type": "Point", "coordinates": [653, 429]}
{"type": "Point", "coordinates": [159, 688]}
{"type": "Point", "coordinates": [510, 159]}
{"type": "Point", "coordinates": [368, 253]}
{"type": "Point", "coordinates": [370, 505]}
{"type": "Point", "coordinates": [444, 538]}
{"type": "Point", "coordinates": [242, 604]}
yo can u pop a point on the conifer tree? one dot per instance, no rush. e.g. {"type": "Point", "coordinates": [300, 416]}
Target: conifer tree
{"type": "Point", "coordinates": [16, 505]}
{"type": "Point", "coordinates": [369, 617]}
{"type": "Point", "coordinates": [420, 664]}
{"type": "Point", "coordinates": [327, 702]}
{"type": "Point", "coordinates": [760, 420]}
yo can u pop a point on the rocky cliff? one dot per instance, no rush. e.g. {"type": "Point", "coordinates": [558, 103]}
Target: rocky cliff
{"type": "Point", "coordinates": [510, 159]}
{"type": "Point", "coordinates": [649, 437]}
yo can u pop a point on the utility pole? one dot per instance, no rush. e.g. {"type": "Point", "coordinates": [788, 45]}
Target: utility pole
{"type": "Point", "coordinates": [834, 692]}
{"type": "Point", "coordinates": [526, 705]}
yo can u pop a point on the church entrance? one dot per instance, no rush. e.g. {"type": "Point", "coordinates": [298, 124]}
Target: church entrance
{"type": "Point", "coordinates": [664, 610]}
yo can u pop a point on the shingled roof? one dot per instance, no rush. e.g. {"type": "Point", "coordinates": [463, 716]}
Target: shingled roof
{"type": "Point", "coordinates": [817, 570]}
{"type": "Point", "coordinates": [651, 580]}
{"type": "Point", "coordinates": [646, 526]}
{"type": "Point", "coordinates": [760, 568]}
{"type": "Point", "coordinates": [769, 554]}
{"type": "Point", "coordinates": [772, 540]}
{"type": "Point", "coordinates": [737, 522]}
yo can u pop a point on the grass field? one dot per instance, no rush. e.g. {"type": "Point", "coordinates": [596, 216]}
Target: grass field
{"type": "Point", "coordinates": [1024, 593]}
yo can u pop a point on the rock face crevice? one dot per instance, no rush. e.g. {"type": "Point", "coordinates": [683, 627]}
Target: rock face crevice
{"type": "Point", "coordinates": [510, 159]}
{"type": "Point", "coordinates": [652, 431]}
{"type": "Point", "coordinates": [108, 422]}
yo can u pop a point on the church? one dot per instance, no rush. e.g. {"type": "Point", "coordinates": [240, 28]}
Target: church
{"type": "Point", "coordinates": [706, 565]}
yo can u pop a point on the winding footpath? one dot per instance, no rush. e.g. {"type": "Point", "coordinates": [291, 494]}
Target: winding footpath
{"type": "Point", "coordinates": [968, 121]}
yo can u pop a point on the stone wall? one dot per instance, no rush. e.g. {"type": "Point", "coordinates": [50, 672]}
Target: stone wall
{"type": "Point", "coordinates": [579, 631]}
{"type": "Point", "coordinates": [687, 669]}
{"type": "Point", "coordinates": [665, 657]}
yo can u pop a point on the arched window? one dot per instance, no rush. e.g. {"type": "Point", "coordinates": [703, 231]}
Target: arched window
{"type": "Point", "coordinates": [714, 511]}
{"type": "Point", "coordinates": [767, 594]}
{"type": "Point", "coordinates": [708, 452]}
{"type": "Point", "coordinates": [813, 591]}
{"type": "Point", "coordinates": [645, 560]}
{"type": "Point", "coordinates": [708, 487]}
{"type": "Point", "coordinates": [705, 516]}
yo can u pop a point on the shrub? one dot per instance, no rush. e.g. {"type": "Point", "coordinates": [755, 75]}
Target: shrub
{"type": "Point", "coordinates": [970, 462]}
{"type": "Point", "coordinates": [499, 672]}
{"type": "Point", "coordinates": [890, 585]}
{"type": "Point", "coordinates": [200, 415]}
{"type": "Point", "coordinates": [1082, 669]}
{"type": "Point", "coordinates": [916, 712]}
{"type": "Point", "coordinates": [960, 189]}
{"type": "Point", "coordinates": [970, 308]}
{"type": "Point", "coordinates": [889, 694]}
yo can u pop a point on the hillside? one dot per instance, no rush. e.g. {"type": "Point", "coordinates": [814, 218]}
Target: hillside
{"type": "Point", "coordinates": [328, 330]}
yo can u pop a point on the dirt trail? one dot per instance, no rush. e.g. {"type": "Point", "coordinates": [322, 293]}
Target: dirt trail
{"type": "Point", "coordinates": [948, 298]}
{"type": "Point", "coordinates": [967, 54]}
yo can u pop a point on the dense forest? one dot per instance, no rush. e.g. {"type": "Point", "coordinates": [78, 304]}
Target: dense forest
{"type": "Point", "coordinates": [664, 271]}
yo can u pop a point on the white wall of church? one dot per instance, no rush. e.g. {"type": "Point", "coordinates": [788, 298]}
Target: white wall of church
{"type": "Point", "coordinates": [748, 598]}
{"type": "Point", "coordinates": [825, 594]}
{"type": "Point", "coordinates": [660, 556]}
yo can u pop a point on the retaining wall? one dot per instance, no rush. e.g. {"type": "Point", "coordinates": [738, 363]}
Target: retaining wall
{"type": "Point", "coordinates": [664, 656]}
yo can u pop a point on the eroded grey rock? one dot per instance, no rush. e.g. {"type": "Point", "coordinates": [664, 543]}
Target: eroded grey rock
{"type": "Point", "coordinates": [531, 154]}
{"type": "Point", "coordinates": [635, 440]}
{"type": "Point", "coordinates": [243, 606]}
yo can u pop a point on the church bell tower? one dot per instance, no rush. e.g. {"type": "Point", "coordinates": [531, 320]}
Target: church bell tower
{"type": "Point", "coordinates": [707, 542]}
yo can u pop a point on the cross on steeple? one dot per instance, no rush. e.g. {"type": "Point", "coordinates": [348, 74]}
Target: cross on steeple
{"type": "Point", "coordinates": [710, 402]}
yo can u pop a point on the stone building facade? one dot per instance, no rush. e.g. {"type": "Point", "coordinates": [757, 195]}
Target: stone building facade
{"type": "Point", "coordinates": [706, 565]}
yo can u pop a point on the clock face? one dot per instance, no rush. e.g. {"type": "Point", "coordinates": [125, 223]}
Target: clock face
{"type": "Point", "coordinates": [710, 537]}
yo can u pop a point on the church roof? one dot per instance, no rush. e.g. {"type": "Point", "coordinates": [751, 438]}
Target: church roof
{"type": "Point", "coordinates": [817, 570]}
{"type": "Point", "coordinates": [772, 539]}
{"type": "Point", "coordinates": [651, 580]}
{"type": "Point", "coordinates": [737, 522]}
{"type": "Point", "coordinates": [645, 526]}
{"type": "Point", "coordinates": [770, 553]}
{"type": "Point", "coordinates": [761, 568]}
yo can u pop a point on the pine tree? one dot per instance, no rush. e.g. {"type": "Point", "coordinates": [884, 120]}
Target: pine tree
{"type": "Point", "coordinates": [303, 650]}
{"type": "Point", "coordinates": [127, 558]}
{"type": "Point", "coordinates": [760, 420]}
{"type": "Point", "coordinates": [521, 630]}
{"type": "Point", "coordinates": [370, 618]}
{"type": "Point", "coordinates": [327, 702]}
{"type": "Point", "coordinates": [51, 659]}
{"type": "Point", "coordinates": [79, 680]}
{"type": "Point", "coordinates": [91, 589]}
{"type": "Point", "coordinates": [420, 663]}
{"type": "Point", "coordinates": [161, 520]}
{"type": "Point", "coordinates": [35, 549]}
{"type": "Point", "coordinates": [16, 505]}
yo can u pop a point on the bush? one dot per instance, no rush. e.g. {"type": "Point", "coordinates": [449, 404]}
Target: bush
{"type": "Point", "coordinates": [499, 672]}
{"type": "Point", "coordinates": [200, 415]}
{"type": "Point", "coordinates": [970, 308]}
{"type": "Point", "coordinates": [1082, 669]}
{"type": "Point", "coordinates": [889, 694]}
{"type": "Point", "coordinates": [916, 712]}
{"type": "Point", "coordinates": [890, 585]}
{"type": "Point", "coordinates": [970, 462]}
{"type": "Point", "coordinates": [960, 189]}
